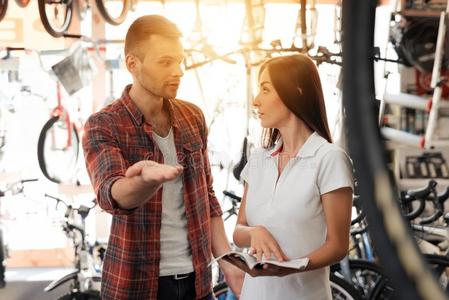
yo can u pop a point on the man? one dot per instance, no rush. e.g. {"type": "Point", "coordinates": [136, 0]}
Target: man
{"type": "Point", "coordinates": [147, 159]}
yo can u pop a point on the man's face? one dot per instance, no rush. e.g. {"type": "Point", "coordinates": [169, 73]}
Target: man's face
{"type": "Point", "coordinates": [159, 69]}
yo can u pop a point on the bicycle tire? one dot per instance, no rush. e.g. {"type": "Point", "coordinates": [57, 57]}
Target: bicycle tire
{"type": "Point", "coordinates": [101, 5]}
{"type": "Point", "coordinates": [397, 249]}
{"type": "Point", "coordinates": [2, 261]}
{"type": "Point", "coordinates": [369, 279]}
{"type": "Point", "coordinates": [23, 3]}
{"type": "Point", "coordinates": [342, 290]}
{"type": "Point", "coordinates": [3, 8]}
{"type": "Point", "coordinates": [52, 29]}
{"type": "Point", "coordinates": [439, 264]}
{"type": "Point", "coordinates": [220, 288]}
{"type": "Point", "coordinates": [42, 155]}
{"type": "Point", "coordinates": [89, 295]}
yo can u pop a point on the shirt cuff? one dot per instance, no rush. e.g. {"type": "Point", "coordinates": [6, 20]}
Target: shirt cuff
{"type": "Point", "coordinates": [215, 209]}
{"type": "Point", "coordinates": [110, 205]}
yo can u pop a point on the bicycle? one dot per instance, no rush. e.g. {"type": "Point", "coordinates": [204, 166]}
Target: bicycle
{"type": "Point", "coordinates": [13, 188]}
{"type": "Point", "coordinates": [58, 143]}
{"type": "Point", "coordinates": [56, 15]}
{"type": "Point", "coordinates": [4, 6]}
{"type": "Point", "coordinates": [59, 139]}
{"type": "Point", "coordinates": [85, 280]}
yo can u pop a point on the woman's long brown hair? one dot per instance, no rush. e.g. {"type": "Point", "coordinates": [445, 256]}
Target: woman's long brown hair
{"type": "Point", "coordinates": [297, 82]}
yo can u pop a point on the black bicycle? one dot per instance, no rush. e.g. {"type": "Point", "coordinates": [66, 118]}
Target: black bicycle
{"type": "Point", "coordinates": [56, 15]}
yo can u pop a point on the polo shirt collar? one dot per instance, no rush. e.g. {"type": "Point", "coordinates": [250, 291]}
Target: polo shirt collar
{"type": "Point", "coordinates": [309, 149]}
{"type": "Point", "coordinates": [137, 114]}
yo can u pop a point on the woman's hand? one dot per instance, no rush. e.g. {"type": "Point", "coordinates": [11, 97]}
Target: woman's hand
{"type": "Point", "coordinates": [264, 244]}
{"type": "Point", "coordinates": [273, 270]}
{"type": "Point", "coordinates": [266, 270]}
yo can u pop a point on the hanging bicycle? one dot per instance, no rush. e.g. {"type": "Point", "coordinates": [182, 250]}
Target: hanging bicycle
{"type": "Point", "coordinates": [56, 15]}
{"type": "Point", "coordinates": [58, 144]}
{"type": "Point", "coordinates": [4, 6]}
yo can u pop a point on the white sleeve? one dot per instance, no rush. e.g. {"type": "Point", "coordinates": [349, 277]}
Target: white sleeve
{"type": "Point", "coordinates": [245, 172]}
{"type": "Point", "coordinates": [335, 172]}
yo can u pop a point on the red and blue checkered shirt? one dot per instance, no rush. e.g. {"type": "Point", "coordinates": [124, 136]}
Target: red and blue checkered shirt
{"type": "Point", "coordinates": [117, 137]}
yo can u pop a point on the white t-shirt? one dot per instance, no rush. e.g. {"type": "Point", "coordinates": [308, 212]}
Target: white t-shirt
{"type": "Point", "coordinates": [176, 255]}
{"type": "Point", "coordinates": [291, 210]}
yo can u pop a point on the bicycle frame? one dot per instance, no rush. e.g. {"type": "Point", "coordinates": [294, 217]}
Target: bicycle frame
{"type": "Point", "coordinates": [61, 112]}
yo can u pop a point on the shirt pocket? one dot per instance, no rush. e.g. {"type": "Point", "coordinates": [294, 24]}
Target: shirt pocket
{"type": "Point", "coordinates": [192, 158]}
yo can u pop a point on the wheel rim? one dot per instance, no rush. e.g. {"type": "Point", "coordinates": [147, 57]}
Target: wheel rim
{"type": "Point", "coordinates": [56, 15]}
{"type": "Point", "coordinates": [113, 11]}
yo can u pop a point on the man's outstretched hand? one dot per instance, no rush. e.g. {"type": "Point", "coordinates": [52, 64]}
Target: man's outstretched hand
{"type": "Point", "coordinates": [153, 173]}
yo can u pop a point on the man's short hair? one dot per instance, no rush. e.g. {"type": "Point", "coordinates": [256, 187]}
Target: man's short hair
{"type": "Point", "coordinates": [142, 28]}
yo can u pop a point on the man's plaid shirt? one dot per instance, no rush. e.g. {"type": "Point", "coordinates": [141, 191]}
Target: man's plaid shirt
{"type": "Point", "coordinates": [117, 137]}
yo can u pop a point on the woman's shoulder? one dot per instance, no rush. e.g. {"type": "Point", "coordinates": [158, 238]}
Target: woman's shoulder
{"type": "Point", "coordinates": [259, 153]}
{"type": "Point", "coordinates": [331, 150]}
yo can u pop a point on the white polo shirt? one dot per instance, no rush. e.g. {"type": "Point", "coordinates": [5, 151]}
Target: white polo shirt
{"type": "Point", "coordinates": [291, 210]}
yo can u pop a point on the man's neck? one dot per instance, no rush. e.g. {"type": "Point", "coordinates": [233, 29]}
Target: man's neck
{"type": "Point", "coordinates": [148, 103]}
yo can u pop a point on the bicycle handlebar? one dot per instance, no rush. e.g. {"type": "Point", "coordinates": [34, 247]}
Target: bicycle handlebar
{"type": "Point", "coordinates": [421, 195]}
{"type": "Point", "coordinates": [82, 210]}
{"type": "Point", "coordinates": [417, 211]}
{"type": "Point", "coordinates": [442, 197]}
{"type": "Point", "coordinates": [232, 196]}
{"type": "Point", "coordinates": [87, 39]}
{"type": "Point", "coordinates": [424, 192]}
{"type": "Point", "coordinates": [11, 186]}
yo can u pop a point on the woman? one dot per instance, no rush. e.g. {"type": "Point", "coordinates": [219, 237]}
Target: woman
{"type": "Point", "coordinates": [298, 187]}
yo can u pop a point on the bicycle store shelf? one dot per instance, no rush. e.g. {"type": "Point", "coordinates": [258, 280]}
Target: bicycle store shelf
{"type": "Point", "coordinates": [420, 13]}
{"type": "Point", "coordinates": [410, 8]}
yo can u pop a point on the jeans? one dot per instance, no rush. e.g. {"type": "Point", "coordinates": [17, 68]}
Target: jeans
{"type": "Point", "coordinates": [178, 289]}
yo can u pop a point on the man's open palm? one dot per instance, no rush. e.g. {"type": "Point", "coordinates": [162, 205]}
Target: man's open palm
{"type": "Point", "coordinates": [153, 172]}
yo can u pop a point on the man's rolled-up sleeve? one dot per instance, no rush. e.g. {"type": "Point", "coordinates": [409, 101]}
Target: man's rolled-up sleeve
{"type": "Point", "coordinates": [104, 160]}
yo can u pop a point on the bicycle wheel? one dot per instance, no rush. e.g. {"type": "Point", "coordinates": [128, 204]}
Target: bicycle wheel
{"type": "Point", "coordinates": [368, 278]}
{"type": "Point", "coordinates": [57, 160]}
{"type": "Point", "coordinates": [392, 236]}
{"type": "Point", "coordinates": [89, 295]}
{"type": "Point", "coordinates": [56, 15]}
{"type": "Point", "coordinates": [220, 289]}
{"type": "Point", "coordinates": [439, 264]}
{"type": "Point", "coordinates": [2, 262]}
{"type": "Point", "coordinates": [342, 290]}
{"type": "Point", "coordinates": [113, 11]}
{"type": "Point", "coordinates": [3, 8]}
{"type": "Point", "coordinates": [22, 3]}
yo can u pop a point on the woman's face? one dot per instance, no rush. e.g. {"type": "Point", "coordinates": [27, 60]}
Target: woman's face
{"type": "Point", "coordinates": [271, 110]}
